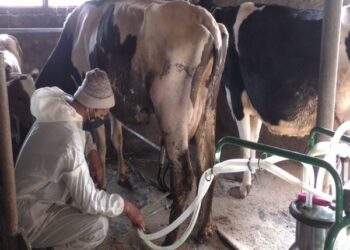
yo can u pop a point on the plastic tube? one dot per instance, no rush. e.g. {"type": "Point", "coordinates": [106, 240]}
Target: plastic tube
{"type": "Point", "coordinates": [229, 166]}
{"type": "Point", "coordinates": [330, 150]}
{"type": "Point", "coordinates": [309, 178]}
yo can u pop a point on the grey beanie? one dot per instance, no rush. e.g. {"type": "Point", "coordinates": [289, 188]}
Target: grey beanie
{"type": "Point", "coordinates": [95, 91]}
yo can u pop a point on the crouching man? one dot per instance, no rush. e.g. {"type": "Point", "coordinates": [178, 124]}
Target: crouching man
{"type": "Point", "coordinates": [51, 170]}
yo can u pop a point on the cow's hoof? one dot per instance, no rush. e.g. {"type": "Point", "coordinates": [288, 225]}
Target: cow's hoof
{"type": "Point", "coordinates": [204, 235]}
{"type": "Point", "coordinates": [244, 190]}
{"type": "Point", "coordinates": [125, 182]}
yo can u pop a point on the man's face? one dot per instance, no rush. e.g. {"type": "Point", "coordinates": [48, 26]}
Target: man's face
{"type": "Point", "coordinates": [95, 118]}
{"type": "Point", "coordinates": [101, 113]}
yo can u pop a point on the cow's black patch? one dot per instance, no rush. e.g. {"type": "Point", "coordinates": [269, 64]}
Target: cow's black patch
{"type": "Point", "coordinates": [231, 76]}
{"type": "Point", "coordinates": [278, 61]}
{"type": "Point", "coordinates": [347, 45]}
{"type": "Point", "coordinates": [19, 109]}
{"type": "Point", "coordinates": [111, 55]}
{"type": "Point", "coordinates": [59, 70]}
{"type": "Point", "coordinates": [115, 58]}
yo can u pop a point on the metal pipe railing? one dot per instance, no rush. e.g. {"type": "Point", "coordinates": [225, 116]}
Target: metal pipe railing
{"type": "Point", "coordinates": [340, 221]}
{"type": "Point", "coordinates": [14, 31]}
{"type": "Point", "coordinates": [328, 64]}
{"type": "Point", "coordinates": [318, 130]}
{"type": "Point", "coordinates": [292, 156]}
{"type": "Point", "coordinates": [141, 137]}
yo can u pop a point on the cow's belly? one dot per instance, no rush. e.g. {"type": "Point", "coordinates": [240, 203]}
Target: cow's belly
{"type": "Point", "coordinates": [294, 128]}
{"type": "Point", "coordinates": [299, 126]}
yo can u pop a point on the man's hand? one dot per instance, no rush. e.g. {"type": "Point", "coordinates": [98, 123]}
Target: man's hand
{"type": "Point", "coordinates": [96, 169]}
{"type": "Point", "coordinates": [134, 214]}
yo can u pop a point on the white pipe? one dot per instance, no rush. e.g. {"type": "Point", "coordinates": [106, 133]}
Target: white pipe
{"type": "Point", "coordinates": [321, 149]}
{"type": "Point", "coordinates": [339, 132]}
{"type": "Point", "coordinates": [15, 31]}
{"type": "Point", "coordinates": [330, 150]}
{"type": "Point", "coordinates": [229, 166]}
{"type": "Point", "coordinates": [309, 178]}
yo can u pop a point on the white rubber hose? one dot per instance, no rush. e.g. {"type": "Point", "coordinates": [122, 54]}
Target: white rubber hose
{"type": "Point", "coordinates": [229, 166]}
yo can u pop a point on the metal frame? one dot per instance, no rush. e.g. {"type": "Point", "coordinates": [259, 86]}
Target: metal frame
{"type": "Point", "coordinates": [328, 64]}
{"type": "Point", "coordinates": [340, 221]}
{"type": "Point", "coordinates": [45, 4]}
{"type": "Point", "coordinates": [13, 31]}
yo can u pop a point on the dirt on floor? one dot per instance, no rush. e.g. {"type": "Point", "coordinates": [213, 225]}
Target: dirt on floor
{"type": "Point", "coordinates": [260, 221]}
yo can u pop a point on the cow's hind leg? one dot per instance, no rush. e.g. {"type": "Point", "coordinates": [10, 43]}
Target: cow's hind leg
{"type": "Point", "coordinates": [181, 179]}
{"type": "Point", "coordinates": [249, 129]}
{"type": "Point", "coordinates": [117, 141]}
{"type": "Point", "coordinates": [205, 151]}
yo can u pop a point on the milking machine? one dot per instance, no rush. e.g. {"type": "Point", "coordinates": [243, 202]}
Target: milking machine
{"type": "Point", "coordinates": [315, 219]}
{"type": "Point", "coordinates": [323, 220]}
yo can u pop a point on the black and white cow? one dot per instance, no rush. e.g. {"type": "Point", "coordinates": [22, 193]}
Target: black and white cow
{"type": "Point", "coordinates": [13, 54]}
{"type": "Point", "coordinates": [164, 60]}
{"type": "Point", "coordinates": [272, 69]}
{"type": "Point", "coordinates": [20, 88]}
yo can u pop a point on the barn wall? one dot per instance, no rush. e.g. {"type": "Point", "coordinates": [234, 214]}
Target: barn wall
{"type": "Point", "coordinates": [36, 47]}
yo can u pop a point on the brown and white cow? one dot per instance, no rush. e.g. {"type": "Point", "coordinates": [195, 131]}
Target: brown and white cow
{"type": "Point", "coordinates": [272, 69]}
{"type": "Point", "coordinates": [20, 88]}
{"type": "Point", "coordinates": [164, 60]}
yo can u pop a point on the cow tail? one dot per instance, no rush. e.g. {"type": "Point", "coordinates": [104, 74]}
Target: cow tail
{"type": "Point", "coordinates": [219, 52]}
{"type": "Point", "coordinates": [220, 36]}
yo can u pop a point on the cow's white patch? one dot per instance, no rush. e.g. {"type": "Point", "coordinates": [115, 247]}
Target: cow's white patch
{"type": "Point", "coordinates": [11, 60]}
{"type": "Point", "coordinates": [182, 40]}
{"type": "Point", "coordinates": [342, 105]}
{"type": "Point", "coordinates": [13, 57]}
{"type": "Point", "coordinates": [248, 108]}
{"type": "Point", "coordinates": [244, 11]}
{"type": "Point", "coordinates": [169, 98]}
{"type": "Point", "coordinates": [345, 15]}
{"type": "Point", "coordinates": [93, 41]}
{"type": "Point", "coordinates": [3, 38]}
{"type": "Point", "coordinates": [28, 85]}
{"type": "Point", "coordinates": [87, 22]}
{"type": "Point", "coordinates": [129, 17]}
{"type": "Point", "coordinates": [229, 102]}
